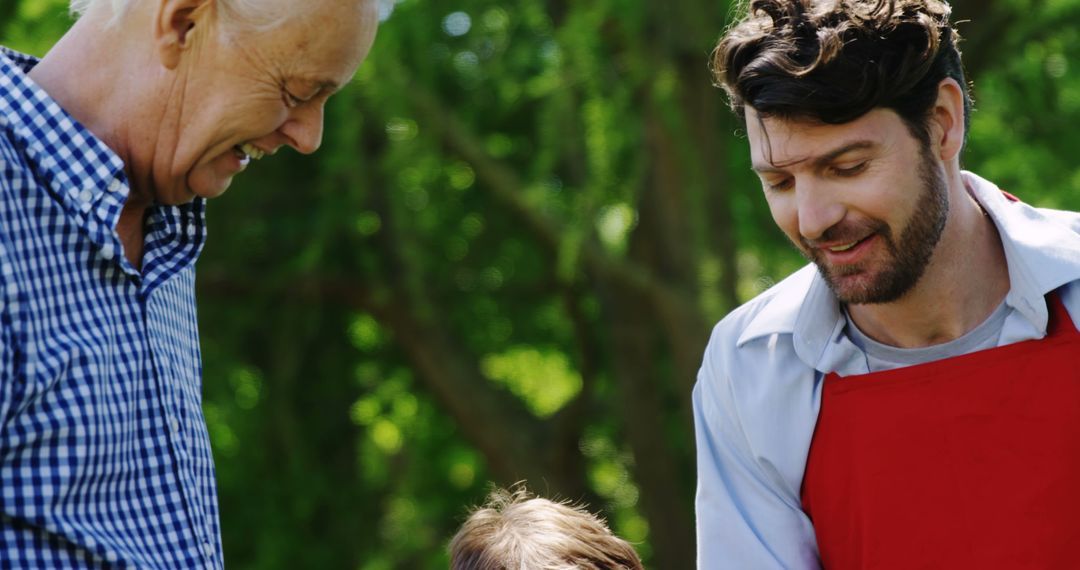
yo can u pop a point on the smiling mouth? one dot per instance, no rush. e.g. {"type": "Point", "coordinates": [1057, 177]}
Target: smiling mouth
{"type": "Point", "coordinates": [848, 246]}
{"type": "Point", "coordinates": [247, 152]}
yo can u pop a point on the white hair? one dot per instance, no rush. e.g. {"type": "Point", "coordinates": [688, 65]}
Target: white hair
{"type": "Point", "coordinates": [80, 7]}
{"type": "Point", "coordinates": [255, 14]}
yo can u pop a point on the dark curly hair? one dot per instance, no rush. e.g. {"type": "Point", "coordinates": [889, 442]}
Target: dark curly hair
{"type": "Point", "coordinates": [832, 61]}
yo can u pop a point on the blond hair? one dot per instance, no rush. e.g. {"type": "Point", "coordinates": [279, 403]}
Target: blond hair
{"type": "Point", "coordinates": [517, 531]}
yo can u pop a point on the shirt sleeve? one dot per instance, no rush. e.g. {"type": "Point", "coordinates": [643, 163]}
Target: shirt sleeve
{"type": "Point", "coordinates": [744, 517]}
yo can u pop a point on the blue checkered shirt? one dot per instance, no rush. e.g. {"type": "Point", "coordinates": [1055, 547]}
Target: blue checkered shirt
{"type": "Point", "coordinates": [104, 455]}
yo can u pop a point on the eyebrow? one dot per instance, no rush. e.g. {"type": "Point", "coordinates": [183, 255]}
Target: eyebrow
{"type": "Point", "coordinates": [818, 161]}
{"type": "Point", "coordinates": [323, 85]}
{"type": "Point", "coordinates": [328, 86]}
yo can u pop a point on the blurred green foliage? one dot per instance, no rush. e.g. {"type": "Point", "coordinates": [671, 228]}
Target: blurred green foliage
{"type": "Point", "coordinates": [503, 263]}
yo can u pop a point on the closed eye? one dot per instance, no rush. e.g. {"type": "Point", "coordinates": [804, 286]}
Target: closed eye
{"type": "Point", "coordinates": [292, 100]}
{"type": "Point", "coordinates": [852, 170]}
{"type": "Point", "coordinates": [777, 186]}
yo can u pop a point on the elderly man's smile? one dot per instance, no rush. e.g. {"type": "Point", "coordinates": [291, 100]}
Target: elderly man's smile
{"type": "Point", "coordinates": [247, 152]}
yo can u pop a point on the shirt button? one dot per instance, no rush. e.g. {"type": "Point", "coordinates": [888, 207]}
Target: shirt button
{"type": "Point", "coordinates": [174, 424]}
{"type": "Point", "coordinates": [114, 186]}
{"type": "Point", "coordinates": [208, 549]}
{"type": "Point", "coordinates": [85, 195]}
{"type": "Point", "coordinates": [107, 252]}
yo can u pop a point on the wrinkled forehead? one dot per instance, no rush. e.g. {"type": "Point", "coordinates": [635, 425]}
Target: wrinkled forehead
{"type": "Point", "coordinates": [324, 37]}
{"type": "Point", "coordinates": [779, 141]}
{"type": "Point", "coordinates": [776, 140]}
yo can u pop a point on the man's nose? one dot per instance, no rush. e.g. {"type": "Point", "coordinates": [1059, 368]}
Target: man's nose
{"type": "Point", "coordinates": [304, 128]}
{"type": "Point", "coordinates": [818, 209]}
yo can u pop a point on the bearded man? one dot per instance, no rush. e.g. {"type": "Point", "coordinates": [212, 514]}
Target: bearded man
{"type": "Point", "coordinates": [910, 399]}
{"type": "Point", "coordinates": [109, 147]}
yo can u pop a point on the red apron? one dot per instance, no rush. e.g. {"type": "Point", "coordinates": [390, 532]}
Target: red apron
{"type": "Point", "coordinates": [968, 462]}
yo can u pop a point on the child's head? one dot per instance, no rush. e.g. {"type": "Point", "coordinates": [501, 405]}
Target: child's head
{"type": "Point", "coordinates": [515, 531]}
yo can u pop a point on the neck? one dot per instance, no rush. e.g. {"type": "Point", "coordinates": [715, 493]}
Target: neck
{"type": "Point", "coordinates": [965, 280]}
{"type": "Point", "coordinates": [84, 72]}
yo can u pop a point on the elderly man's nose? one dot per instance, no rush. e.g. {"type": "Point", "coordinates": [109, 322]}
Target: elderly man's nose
{"type": "Point", "coordinates": [304, 129]}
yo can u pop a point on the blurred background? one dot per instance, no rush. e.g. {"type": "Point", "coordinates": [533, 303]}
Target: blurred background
{"type": "Point", "coordinates": [504, 263]}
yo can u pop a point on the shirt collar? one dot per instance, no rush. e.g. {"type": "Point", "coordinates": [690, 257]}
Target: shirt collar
{"type": "Point", "coordinates": [84, 174]}
{"type": "Point", "coordinates": [1042, 255]}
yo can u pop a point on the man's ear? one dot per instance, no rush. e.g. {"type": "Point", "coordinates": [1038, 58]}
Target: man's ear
{"type": "Point", "coordinates": [948, 127]}
{"type": "Point", "coordinates": [173, 24]}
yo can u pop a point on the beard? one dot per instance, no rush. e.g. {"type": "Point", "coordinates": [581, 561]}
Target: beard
{"type": "Point", "coordinates": [908, 254]}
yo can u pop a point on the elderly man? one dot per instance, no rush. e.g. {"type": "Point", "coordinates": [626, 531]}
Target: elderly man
{"type": "Point", "coordinates": [910, 399]}
{"type": "Point", "coordinates": [108, 147]}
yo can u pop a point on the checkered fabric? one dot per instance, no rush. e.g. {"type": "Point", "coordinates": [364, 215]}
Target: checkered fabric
{"type": "Point", "coordinates": [104, 455]}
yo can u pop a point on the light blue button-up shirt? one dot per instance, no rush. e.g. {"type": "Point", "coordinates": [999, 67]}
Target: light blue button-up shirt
{"type": "Point", "coordinates": [758, 393]}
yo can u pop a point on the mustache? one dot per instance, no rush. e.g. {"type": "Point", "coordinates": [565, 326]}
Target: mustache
{"type": "Point", "coordinates": [847, 232]}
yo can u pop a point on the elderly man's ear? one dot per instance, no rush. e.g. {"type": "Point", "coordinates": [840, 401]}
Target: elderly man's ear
{"type": "Point", "coordinates": [174, 23]}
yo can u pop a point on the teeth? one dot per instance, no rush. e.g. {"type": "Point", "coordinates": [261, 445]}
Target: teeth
{"type": "Point", "coordinates": [844, 247]}
{"type": "Point", "coordinates": [252, 151]}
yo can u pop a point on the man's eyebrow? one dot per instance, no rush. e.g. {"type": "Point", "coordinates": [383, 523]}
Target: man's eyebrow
{"type": "Point", "coordinates": [323, 85]}
{"type": "Point", "coordinates": [817, 161]}
{"type": "Point", "coordinates": [328, 86]}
